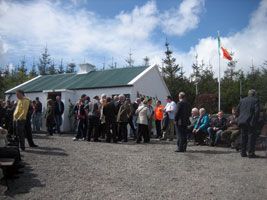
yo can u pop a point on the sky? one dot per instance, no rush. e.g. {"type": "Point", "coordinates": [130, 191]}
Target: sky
{"type": "Point", "coordinates": [96, 31]}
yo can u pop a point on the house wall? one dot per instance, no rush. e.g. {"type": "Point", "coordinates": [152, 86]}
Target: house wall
{"type": "Point", "coordinates": [65, 97]}
{"type": "Point", "coordinates": [151, 84]}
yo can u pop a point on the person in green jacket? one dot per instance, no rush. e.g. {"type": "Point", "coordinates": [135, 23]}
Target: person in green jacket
{"type": "Point", "coordinates": [50, 116]}
{"type": "Point", "coordinates": [122, 119]}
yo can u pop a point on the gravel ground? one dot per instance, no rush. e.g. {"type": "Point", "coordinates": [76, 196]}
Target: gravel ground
{"type": "Point", "coordinates": [63, 169]}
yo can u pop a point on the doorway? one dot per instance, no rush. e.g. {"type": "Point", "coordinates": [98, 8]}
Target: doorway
{"type": "Point", "coordinates": [53, 95]}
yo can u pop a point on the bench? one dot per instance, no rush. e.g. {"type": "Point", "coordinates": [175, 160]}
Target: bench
{"type": "Point", "coordinates": [4, 164]}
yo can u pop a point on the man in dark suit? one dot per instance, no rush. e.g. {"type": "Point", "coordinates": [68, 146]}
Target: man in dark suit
{"type": "Point", "coordinates": [248, 114]}
{"type": "Point", "coordinates": [182, 114]}
{"type": "Point", "coordinates": [109, 110]}
{"type": "Point", "coordinates": [59, 110]}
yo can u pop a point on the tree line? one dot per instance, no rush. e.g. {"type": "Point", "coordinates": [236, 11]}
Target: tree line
{"type": "Point", "coordinates": [201, 86]}
{"type": "Point", "coordinates": [15, 75]}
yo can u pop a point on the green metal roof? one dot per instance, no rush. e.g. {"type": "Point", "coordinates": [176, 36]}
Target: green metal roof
{"type": "Point", "coordinates": [95, 79]}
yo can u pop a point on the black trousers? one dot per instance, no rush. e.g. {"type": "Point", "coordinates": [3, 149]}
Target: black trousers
{"type": "Point", "coordinates": [181, 135]}
{"type": "Point", "coordinates": [19, 126]}
{"type": "Point", "coordinates": [9, 125]}
{"type": "Point", "coordinates": [158, 128]}
{"type": "Point", "coordinates": [111, 125]}
{"type": "Point", "coordinates": [102, 130]}
{"type": "Point", "coordinates": [142, 132]}
{"type": "Point", "coordinates": [93, 127]}
{"type": "Point", "coordinates": [248, 138]}
{"type": "Point", "coordinates": [85, 125]}
{"type": "Point", "coordinates": [123, 131]}
{"type": "Point", "coordinates": [200, 137]}
{"type": "Point", "coordinates": [130, 121]}
{"type": "Point", "coordinates": [28, 132]}
{"type": "Point", "coordinates": [49, 126]}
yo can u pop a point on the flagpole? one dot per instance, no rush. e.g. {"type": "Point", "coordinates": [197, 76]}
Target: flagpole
{"type": "Point", "coordinates": [219, 99]}
{"type": "Point", "coordinates": [219, 96]}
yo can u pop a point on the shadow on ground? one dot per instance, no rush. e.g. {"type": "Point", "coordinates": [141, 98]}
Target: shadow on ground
{"type": "Point", "coordinates": [48, 151]}
{"type": "Point", "coordinates": [26, 181]}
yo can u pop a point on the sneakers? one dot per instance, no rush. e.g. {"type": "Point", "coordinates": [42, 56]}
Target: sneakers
{"type": "Point", "coordinates": [75, 139]}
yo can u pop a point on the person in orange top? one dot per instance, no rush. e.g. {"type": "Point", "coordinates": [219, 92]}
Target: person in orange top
{"type": "Point", "coordinates": [158, 117]}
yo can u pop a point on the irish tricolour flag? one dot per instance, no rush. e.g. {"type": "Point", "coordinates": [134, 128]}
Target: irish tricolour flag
{"type": "Point", "coordinates": [226, 55]}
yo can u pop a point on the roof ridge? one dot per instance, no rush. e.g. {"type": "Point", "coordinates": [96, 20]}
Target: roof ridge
{"type": "Point", "coordinates": [75, 73]}
{"type": "Point", "coordinates": [121, 68]}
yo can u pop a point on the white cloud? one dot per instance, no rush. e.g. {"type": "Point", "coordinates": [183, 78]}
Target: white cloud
{"type": "Point", "coordinates": [75, 33]}
{"type": "Point", "coordinates": [3, 50]}
{"type": "Point", "coordinates": [184, 18]}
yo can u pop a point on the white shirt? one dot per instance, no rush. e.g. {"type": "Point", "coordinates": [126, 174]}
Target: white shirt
{"type": "Point", "coordinates": [170, 107]}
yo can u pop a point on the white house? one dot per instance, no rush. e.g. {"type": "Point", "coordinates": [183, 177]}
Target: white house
{"type": "Point", "coordinates": [133, 82]}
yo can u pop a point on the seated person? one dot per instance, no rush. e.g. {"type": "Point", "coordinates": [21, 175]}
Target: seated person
{"type": "Point", "coordinates": [200, 129]}
{"type": "Point", "coordinates": [232, 132]}
{"type": "Point", "coordinates": [9, 152]}
{"type": "Point", "coordinates": [193, 120]}
{"type": "Point", "coordinates": [218, 126]}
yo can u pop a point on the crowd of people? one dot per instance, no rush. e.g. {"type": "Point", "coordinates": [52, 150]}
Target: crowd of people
{"type": "Point", "coordinates": [108, 118]}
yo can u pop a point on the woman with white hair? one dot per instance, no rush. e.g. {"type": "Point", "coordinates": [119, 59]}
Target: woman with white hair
{"type": "Point", "coordinates": [200, 129]}
{"type": "Point", "coordinates": [143, 114]}
{"type": "Point", "coordinates": [193, 120]}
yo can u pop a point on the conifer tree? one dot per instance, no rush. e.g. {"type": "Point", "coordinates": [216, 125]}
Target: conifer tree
{"type": "Point", "coordinates": [51, 68]}
{"type": "Point", "coordinates": [129, 60]}
{"type": "Point", "coordinates": [33, 72]}
{"type": "Point", "coordinates": [44, 62]}
{"type": "Point", "coordinates": [61, 68]}
{"type": "Point", "coordinates": [71, 68]}
{"type": "Point", "coordinates": [170, 70]}
{"type": "Point", "coordinates": [146, 61]}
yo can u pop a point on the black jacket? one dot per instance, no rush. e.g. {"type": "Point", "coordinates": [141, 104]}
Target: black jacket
{"type": "Point", "coordinates": [80, 111]}
{"type": "Point", "coordinates": [38, 107]}
{"type": "Point", "coordinates": [220, 123]}
{"type": "Point", "coordinates": [248, 111]}
{"type": "Point", "coordinates": [182, 113]}
{"type": "Point", "coordinates": [109, 110]}
{"type": "Point", "coordinates": [57, 108]}
{"type": "Point", "coordinates": [118, 105]}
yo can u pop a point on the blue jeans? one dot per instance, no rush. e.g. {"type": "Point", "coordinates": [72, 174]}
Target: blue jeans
{"type": "Point", "coordinates": [135, 125]}
{"type": "Point", "coordinates": [58, 122]}
{"type": "Point", "coordinates": [80, 130]}
{"type": "Point", "coordinates": [214, 135]}
{"type": "Point", "coordinates": [36, 121]}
